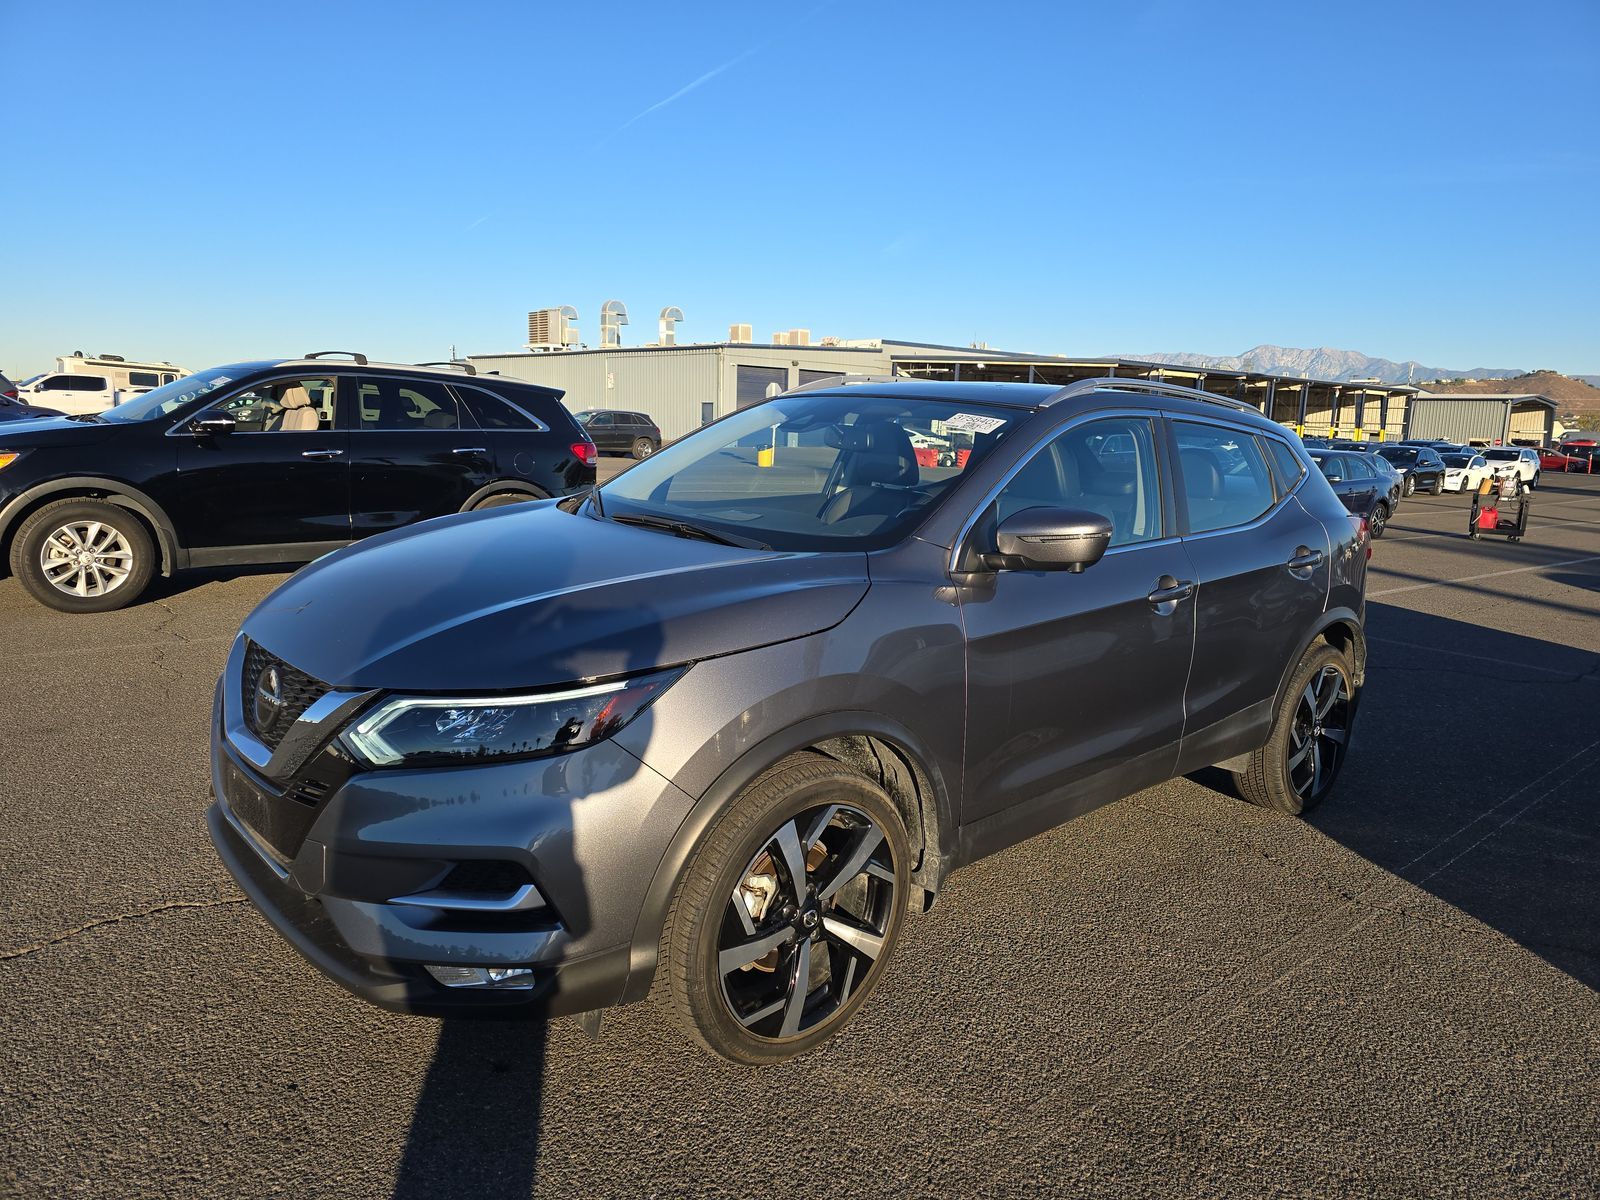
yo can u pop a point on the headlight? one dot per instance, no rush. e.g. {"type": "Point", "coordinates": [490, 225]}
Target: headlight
{"type": "Point", "coordinates": [432, 731]}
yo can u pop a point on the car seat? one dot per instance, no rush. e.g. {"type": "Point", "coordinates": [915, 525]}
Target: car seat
{"type": "Point", "coordinates": [298, 415]}
{"type": "Point", "coordinates": [880, 464]}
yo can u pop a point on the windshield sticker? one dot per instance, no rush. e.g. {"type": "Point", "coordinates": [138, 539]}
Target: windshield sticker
{"type": "Point", "coordinates": [973, 423]}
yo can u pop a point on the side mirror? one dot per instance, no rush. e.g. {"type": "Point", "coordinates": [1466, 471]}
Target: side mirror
{"type": "Point", "coordinates": [211, 426]}
{"type": "Point", "coordinates": [1050, 539]}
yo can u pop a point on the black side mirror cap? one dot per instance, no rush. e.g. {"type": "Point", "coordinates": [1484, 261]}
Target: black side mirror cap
{"type": "Point", "coordinates": [211, 426]}
{"type": "Point", "coordinates": [1050, 539]}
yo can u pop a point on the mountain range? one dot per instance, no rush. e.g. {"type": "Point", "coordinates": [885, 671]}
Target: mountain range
{"type": "Point", "coordinates": [1327, 363]}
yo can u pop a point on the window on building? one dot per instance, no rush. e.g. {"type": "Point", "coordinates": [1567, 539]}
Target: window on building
{"type": "Point", "coordinates": [708, 412]}
{"type": "Point", "coordinates": [814, 376]}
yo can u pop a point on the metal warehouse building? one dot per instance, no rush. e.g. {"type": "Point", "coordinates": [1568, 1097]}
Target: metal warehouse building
{"type": "Point", "coordinates": [684, 386]}
{"type": "Point", "coordinates": [1502, 417]}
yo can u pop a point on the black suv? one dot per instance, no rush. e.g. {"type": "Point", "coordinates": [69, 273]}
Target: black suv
{"type": "Point", "coordinates": [757, 694]}
{"type": "Point", "coordinates": [1420, 467]}
{"type": "Point", "coordinates": [269, 462]}
{"type": "Point", "coordinates": [620, 431]}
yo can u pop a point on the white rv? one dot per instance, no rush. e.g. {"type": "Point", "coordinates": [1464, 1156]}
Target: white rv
{"type": "Point", "coordinates": [89, 384]}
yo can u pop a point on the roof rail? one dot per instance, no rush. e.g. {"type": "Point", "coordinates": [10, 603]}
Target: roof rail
{"type": "Point", "coordinates": [844, 380]}
{"type": "Point", "coordinates": [1119, 383]}
{"type": "Point", "coordinates": [360, 359]}
{"type": "Point", "coordinates": [460, 366]}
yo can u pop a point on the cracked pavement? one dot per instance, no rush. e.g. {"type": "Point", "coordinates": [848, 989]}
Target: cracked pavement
{"type": "Point", "coordinates": [1177, 995]}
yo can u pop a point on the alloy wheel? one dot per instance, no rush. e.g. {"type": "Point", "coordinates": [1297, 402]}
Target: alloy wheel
{"type": "Point", "coordinates": [1320, 732]}
{"type": "Point", "coordinates": [807, 921]}
{"type": "Point", "coordinates": [86, 558]}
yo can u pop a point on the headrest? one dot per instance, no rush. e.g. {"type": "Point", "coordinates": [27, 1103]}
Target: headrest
{"type": "Point", "coordinates": [439, 419]}
{"type": "Point", "coordinates": [1200, 474]}
{"type": "Point", "coordinates": [295, 396]}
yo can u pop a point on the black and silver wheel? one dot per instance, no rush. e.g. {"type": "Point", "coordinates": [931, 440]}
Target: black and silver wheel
{"type": "Point", "coordinates": [643, 447]}
{"type": "Point", "coordinates": [1438, 486]}
{"type": "Point", "coordinates": [1379, 521]}
{"type": "Point", "coordinates": [83, 556]}
{"type": "Point", "coordinates": [1297, 767]}
{"type": "Point", "coordinates": [788, 913]}
{"type": "Point", "coordinates": [1409, 487]}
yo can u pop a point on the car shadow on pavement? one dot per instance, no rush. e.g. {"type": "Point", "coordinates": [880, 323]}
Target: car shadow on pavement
{"type": "Point", "coordinates": [1473, 776]}
{"type": "Point", "coordinates": [475, 1130]}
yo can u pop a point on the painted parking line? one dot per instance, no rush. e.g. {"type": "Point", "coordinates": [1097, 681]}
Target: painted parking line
{"type": "Point", "coordinates": [1417, 587]}
{"type": "Point", "coordinates": [1499, 662]}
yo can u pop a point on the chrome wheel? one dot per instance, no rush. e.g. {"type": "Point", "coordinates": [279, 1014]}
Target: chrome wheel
{"type": "Point", "coordinates": [1380, 520]}
{"type": "Point", "coordinates": [807, 921]}
{"type": "Point", "coordinates": [86, 558]}
{"type": "Point", "coordinates": [1320, 732]}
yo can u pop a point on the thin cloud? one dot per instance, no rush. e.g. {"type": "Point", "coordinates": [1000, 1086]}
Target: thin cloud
{"type": "Point", "coordinates": [476, 223]}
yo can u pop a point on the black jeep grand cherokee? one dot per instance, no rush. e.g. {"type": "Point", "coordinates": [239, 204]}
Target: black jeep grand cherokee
{"type": "Point", "coordinates": [269, 462]}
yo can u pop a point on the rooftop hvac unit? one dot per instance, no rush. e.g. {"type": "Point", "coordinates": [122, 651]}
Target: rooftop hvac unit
{"type": "Point", "coordinates": [740, 333]}
{"type": "Point", "coordinates": [668, 327]}
{"type": "Point", "coordinates": [553, 328]}
{"type": "Point", "coordinates": [780, 339]}
{"type": "Point", "coordinates": [799, 337]}
{"type": "Point", "coordinates": [613, 316]}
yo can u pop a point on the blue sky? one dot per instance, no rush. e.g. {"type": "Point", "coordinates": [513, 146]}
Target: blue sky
{"type": "Point", "coordinates": [206, 182]}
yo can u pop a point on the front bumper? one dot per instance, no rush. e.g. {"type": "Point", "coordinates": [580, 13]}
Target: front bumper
{"type": "Point", "coordinates": [588, 828]}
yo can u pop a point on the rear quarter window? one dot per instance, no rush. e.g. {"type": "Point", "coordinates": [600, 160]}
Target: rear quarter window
{"type": "Point", "coordinates": [1286, 463]}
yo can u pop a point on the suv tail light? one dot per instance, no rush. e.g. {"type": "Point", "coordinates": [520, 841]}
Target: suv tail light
{"type": "Point", "coordinates": [585, 453]}
{"type": "Point", "coordinates": [9, 393]}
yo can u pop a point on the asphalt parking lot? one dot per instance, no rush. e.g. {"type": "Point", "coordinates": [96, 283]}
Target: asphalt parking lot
{"type": "Point", "coordinates": [1178, 995]}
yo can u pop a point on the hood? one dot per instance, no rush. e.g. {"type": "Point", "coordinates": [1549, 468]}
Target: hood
{"type": "Point", "coordinates": [34, 431]}
{"type": "Point", "coordinates": [529, 596]}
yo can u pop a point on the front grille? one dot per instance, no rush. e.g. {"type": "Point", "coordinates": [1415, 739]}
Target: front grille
{"type": "Point", "coordinates": [295, 692]}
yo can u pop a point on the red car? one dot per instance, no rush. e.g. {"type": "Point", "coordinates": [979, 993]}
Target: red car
{"type": "Point", "coordinates": [1577, 455]}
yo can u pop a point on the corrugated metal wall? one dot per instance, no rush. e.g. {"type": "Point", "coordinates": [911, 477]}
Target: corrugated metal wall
{"type": "Point", "coordinates": [1457, 418]}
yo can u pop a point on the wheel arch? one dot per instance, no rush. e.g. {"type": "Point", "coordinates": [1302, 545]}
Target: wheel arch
{"type": "Point", "coordinates": [500, 487]}
{"type": "Point", "coordinates": [90, 487]}
{"type": "Point", "coordinates": [870, 743]}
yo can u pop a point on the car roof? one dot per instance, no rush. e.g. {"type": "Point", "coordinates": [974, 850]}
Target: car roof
{"type": "Point", "coordinates": [1035, 397]}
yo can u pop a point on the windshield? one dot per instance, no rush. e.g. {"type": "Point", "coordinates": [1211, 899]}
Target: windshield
{"type": "Point", "coordinates": [170, 397]}
{"type": "Point", "coordinates": [827, 471]}
{"type": "Point", "coordinates": [1398, 454]}
{"type": "Point", "coordinates": [1502, 455]}
{"type": "Point", "coordinates": [1458, 460]}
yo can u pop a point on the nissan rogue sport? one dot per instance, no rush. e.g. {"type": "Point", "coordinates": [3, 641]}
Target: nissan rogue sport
{"type": "Point", "coordinates": [716, 726]}
{"type": "Point", "coordinates": [269, 462]}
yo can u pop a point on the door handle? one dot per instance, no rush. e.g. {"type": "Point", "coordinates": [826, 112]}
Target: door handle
{"type": "Point", "coordinates": [320, 453]}
{"type": "Point", "coordinates": [470, 450]}
{"type": "Point", "coordinates": [1170, 591]}
{"type": "Point", "coordinates": [1305, 559]}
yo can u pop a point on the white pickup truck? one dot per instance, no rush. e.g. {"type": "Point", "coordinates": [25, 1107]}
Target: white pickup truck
{"type": "Point", "coordinates": [81, 384]}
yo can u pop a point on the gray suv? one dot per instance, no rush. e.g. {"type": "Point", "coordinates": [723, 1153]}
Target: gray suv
{"type": "Point", "coordinates": [718, 725]}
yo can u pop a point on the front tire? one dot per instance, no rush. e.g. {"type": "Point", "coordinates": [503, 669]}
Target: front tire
{"type": "Point", "coordinates": [83, 556]}
{"type": "Point", "coordinates": [787, 914]}
{"type": "Point", "coordinates": [1296, 769]}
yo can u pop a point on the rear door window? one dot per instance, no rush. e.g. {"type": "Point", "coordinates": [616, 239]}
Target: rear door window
{"type": "Point", "coordinates": [1226, 482]}
{"type": "Point", "coordinates": [406, 405]}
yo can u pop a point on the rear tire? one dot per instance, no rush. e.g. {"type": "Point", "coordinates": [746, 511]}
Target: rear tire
{"type": "Point", "coordinates": [1297, 768]}
{"type": "Point", "coordinates": [1409, 486]}
{"type": "Point", "coordinates": [846, 835]}
{"type": "Point", "coordinates": [643, 447]}
{"type": "Point", "coordinates": [83, 556]}
{"type": "Point", "coordinates": [1438, 487]}
{"type": "Point", "coordinates": [1380, 519]}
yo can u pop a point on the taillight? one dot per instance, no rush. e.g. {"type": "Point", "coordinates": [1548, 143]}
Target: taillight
{"type": "Point", "coordinates": [585, 453]}
{"type": "Point", "coordinates": [9, 393]}
{"type": "Point", "coordinates": [1366, 536]}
